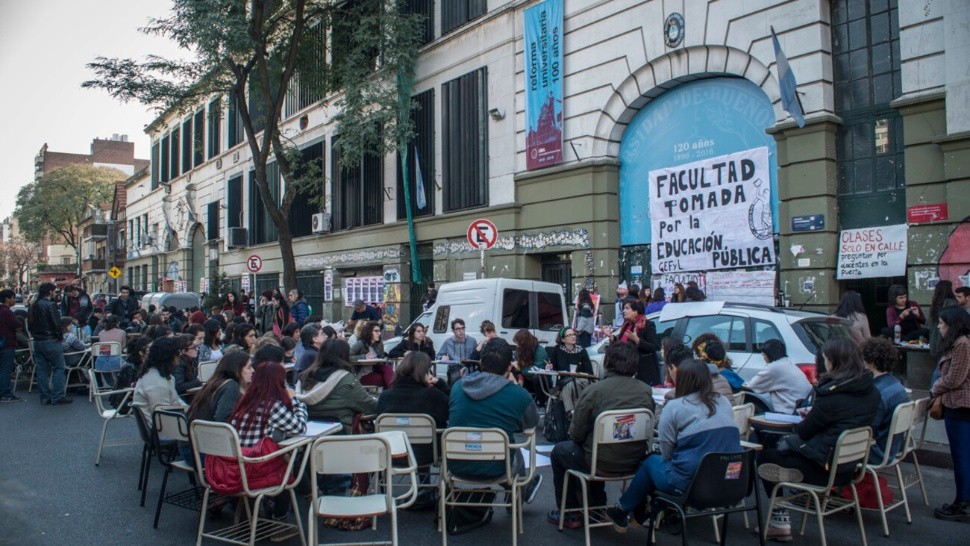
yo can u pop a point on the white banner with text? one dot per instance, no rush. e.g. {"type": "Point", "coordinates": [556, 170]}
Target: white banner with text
{"type": "Point", "coordinates": [871, 252]}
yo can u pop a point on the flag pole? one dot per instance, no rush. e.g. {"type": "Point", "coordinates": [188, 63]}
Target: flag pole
{"type": "Point", "coordinates": [404, 86]}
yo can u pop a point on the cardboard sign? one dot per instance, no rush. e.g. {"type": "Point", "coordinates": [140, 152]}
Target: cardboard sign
{"type": "Point", "coordinates": [872, 252]}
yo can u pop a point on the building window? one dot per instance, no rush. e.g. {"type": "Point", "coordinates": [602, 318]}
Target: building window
{"type": "Point", "coordinates": [464, 141]}
{"type": "Point", "coordinates": [235, 122]}
{"type": "Point", "coordinates": [175, 153]}
{"type": "Point", "coordinates": [215, 119]}
{"type": "Point", "coordinates": [212, 220]}
{"type": "Point", "coordinates": [156, 163]}
{"type": "Point", "coordinates": [357, 194]}
{"type": "Point", "coordinates": [302, 210]}
{"type": "Point", "coordinates": [187, 145]}
{"type": "Point", "coordinates": [345, 22]}
{"type": "Point", "coordinates": [234, 202]}
{"type": "Point", "coordinates": [422, 148]}
{"type": "Point", "coordinates": [423, 8]}
{"type": "Point", "coordinates": [165, 161]}
{"type": "Point", "coordinates": [198, 141]}
{"type": "Point", "coordinates": [455, 13]}
{"type": "Point", "coordinates": [261, 226]}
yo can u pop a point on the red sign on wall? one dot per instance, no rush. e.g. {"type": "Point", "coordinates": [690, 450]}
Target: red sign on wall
{"type": "Point", "coordinates": [924, 214]}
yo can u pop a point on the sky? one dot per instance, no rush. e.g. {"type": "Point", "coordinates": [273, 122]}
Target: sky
{"type": "Point", "coordinates": [44, 47]}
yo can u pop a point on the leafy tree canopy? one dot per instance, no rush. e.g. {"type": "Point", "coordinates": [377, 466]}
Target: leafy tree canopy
{"type": "Point", "coordinates": [54, 204]}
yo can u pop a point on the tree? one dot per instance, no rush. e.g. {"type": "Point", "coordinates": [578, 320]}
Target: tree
{"type": "Point", "coordinates": [54, 204]}
{"type": "Point", "coordinates": [255, 52]}
{"type": "Point", "coordinates": [20, 257]}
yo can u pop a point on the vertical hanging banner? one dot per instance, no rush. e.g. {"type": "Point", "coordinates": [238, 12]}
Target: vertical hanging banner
{"type": "Point", "coordinates": [543, 84]}
{"type": "Point", "coordinates": [712, 214]}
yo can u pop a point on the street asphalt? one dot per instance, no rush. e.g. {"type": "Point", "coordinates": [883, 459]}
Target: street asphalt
{"type": "Point", "coordinates": [51, 493]}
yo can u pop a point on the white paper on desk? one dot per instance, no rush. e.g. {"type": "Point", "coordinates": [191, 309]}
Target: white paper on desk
{"type": "Point", "coordinates": [320, 428]}
{"type": "Point", "coordinates": [783, 417]}
{"type": "Point", "coordinates": [541, 460]}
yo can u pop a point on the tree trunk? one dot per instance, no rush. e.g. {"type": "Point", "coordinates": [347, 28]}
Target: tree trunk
{"type": "Point", "coordinates": [287, 256]}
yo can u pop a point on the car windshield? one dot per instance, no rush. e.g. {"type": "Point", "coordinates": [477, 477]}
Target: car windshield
{"type": "Point", "coordinates": [814, 333]}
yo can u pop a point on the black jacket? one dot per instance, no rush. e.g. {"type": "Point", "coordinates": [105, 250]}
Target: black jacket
{"type": "Point", "coordinates": [44, 322]}
{"type": "Point", "coordinates": [839, 406]}
{"type": "Point", "coordinates": [124, 309]}
{"type": "Point", "coordinates": [404, 346]}
{"type": "Point", "coordinates": [84, 307]}
{"type": "Point", "coordinates": [408, 396]}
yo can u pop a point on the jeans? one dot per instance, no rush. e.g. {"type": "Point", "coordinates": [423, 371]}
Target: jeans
{"type": "Point", "coordinates": [569, 455]}
{"type": "Point", "coordinates": [958, 434]}
{"type": "Point", "coordinates": [51, 378]}
{"type": "Point", "coordinates": [7, 363]}
{"type": "Point", "coordinates": [652, 476]}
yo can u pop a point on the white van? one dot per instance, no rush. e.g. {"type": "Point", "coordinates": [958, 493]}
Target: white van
{"type": "Point", "coordinates": [511, 304]}
{"type": "Point", "coordinates": [179, 300]}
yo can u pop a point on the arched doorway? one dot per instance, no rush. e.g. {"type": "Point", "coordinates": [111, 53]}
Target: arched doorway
{"type": "Point", "coordinates": [196, 257]}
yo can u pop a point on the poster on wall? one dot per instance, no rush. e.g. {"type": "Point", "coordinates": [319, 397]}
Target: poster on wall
{"type": "Point", "coordinates": [328, 285]}
{"type": "Point", "coordinates": [756, 287]}
{"type": "Point", "coordinates": [543, 103]}
{"type": "Point", "coordinates": [872, 252]}
{"type": "Point", "coordinates": [668, 280]}
{"type": "Point", "coordinates": [712, 214]}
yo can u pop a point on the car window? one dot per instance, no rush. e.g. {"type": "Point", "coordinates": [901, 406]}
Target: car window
{"type": "Point", "coordinates": [441, 319]}
{"type": "Point", "coordinates": [515, 308]}
{"type": "Point", "coordinates": [550, 311]}
{"type": "Point", "coordinates": [737, 341]}
{"type": "Point", "coordinates": [763, 331]}
{"type": "Point", "coordinates": [719, 325]}
{"type": "Point", "coordinates": [814, 333]}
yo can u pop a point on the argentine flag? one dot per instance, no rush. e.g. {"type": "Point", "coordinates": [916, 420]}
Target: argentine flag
{"type": "Point", "coordinates": [786, 81]}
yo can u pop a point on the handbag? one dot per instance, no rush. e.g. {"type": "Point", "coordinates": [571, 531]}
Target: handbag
{"type": "Point", "coordinates": [936, 408]}
{"type": "Point", "coordinates": [223, 475]}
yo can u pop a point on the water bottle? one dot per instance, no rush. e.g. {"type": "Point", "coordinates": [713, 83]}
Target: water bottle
{"type": "Point", "coordinates": [897, 334]}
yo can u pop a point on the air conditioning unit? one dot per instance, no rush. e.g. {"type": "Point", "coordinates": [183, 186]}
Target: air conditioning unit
{"type": "Point", "coordinates": [219, 163]}
{"type": "Point", "coordinates": [235, 157]}
{"type": "Point", "coordinates": [321, 222]}
{"type": "Point", "coordinates": [238, 238]}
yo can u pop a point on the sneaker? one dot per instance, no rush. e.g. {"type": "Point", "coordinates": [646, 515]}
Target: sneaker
{"type": "Point", "coordinates": [572, 521]}
{"type": "Point", "coordinates": [532, 488]}
{"type": "Point", "coordinates": [62, 401]}
{"type": "Point", "coordinates": [773, 473]}
{"type": "Point", "coordinates": [620, 517]}
{"type": "Point", "coordinates": [11, 398]}
{"type": "Point", "coordinates": [958, 511]}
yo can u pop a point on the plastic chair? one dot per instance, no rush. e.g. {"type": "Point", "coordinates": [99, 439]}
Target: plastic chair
{"type": "Point", "coordinates": [482, 445]}
{"type": "Point", "coordinates": [914, 444]}
{"type": "Point", "coordinates": [901, 424]}
{"type": "Point", "coordinates": [718, 488]}
{"type": "Point", "coordinates": [207, 369]}
{"type": "Point", "coordinates": [79, 370]}
{"type": "Point", "coordinates": [173, 425]}
{"type": "Point", "coordinates": [852, 448]}
{"type": "Point", "coordinates": [357, 454]}
{"type": "Point", "coordinates": [220, 439]}
{"type": "Point", "coordinates": [419, 429]}
{"type": "Point", "coordinates": [611, 428]}
{"type": "Point", "coordinates": [101, 392]}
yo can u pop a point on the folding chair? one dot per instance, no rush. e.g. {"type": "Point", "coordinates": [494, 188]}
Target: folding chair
{"type": "Point", "coordinates": [173, 425]}
{"type": "Point", "coordinates": [220, 439]}
{"type": "Point", "coordinates": [78, 370]}
{"type": "Point", "coordinates": [914, 444]}
{"type": "Point", "coordinates": [889, 466]}
{"type": "Point", "coordinates": [207, 369]}
{"type": "Point", "coordinates": [106, 355]}
{"type": "Point", "coordinates": [101, 391]}
{"type": "Point", "coordinates": [852, 448]}
{"type": "Point", "coordinates": [419, 429]}
{"type": "Point", "coordinates": [611, 428]}
{"type": "Point", "coordinates": [24, 359]}
{"type": "Point", "coordinates": [357, 454]}
{"type": "Point", "coordinates": [718, 488]}
{"type": "Point", "coordinates": [482, 445]}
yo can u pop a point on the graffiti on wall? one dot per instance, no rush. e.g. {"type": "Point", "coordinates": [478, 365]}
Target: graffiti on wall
{"type": "Point", "coordinates": [955, 260]}
{"type": "Point", "coordinates": [357, 257]}
{"type": "Point", "coordinates": [527, 242]}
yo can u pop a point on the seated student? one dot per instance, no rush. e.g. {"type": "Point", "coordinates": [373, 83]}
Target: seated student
{"type": "Point", "coordinates": [73, 347]}
{"type": "Point", "coordinates": [216, 401]}
{"type": "Point", "coordinates": [289, 348]}
{"type": "Point", "coordinates": [211, 348]}
{"type": "Point", "coordinates": [186, 372]}
{"type": "Point", "coordinates": [568, 353]}
{"type": "Point", "coordinates": [128, 374]}
{"type": "Point", "coordinates": [491, 398]}
{"type": "Point", "coordinates": [156, 385]}
{"type": "Point", "coordinates": [459, 346]}
{"type": "Point", "coordinates": [529, 357]}
{"type": "Point", "coordinates": [780, 379]}
{"type": "Point", "coordinates": [487, 329]}
{"type": "Point", "coordinates": [330, 387]}
{"type": "Point", "coordinates": [696, 422]}
{"type": "Point", "coordinates": [674, 355]}
{"type": "Point", "coordinates": [312, 338]}
{"type": "Point", "coordinates": [416, 340]}
{"type": "Point", "coordinates": [710, 349]}
{"type": "Point", "coordinates": [880, 357]}
{"type": "Point", "coordinates": [370, 346]}
{"type": "Point", "coordinates": [110, 333]}
{"type": "Point", "coordinates": [618, 390]}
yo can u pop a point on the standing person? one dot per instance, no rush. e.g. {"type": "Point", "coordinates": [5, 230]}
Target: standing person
{"type": "Point", "coordinates": [953, 387]}
{"type": "Point", "coordinates": [962, 296]}
{"type": "Point", "coordinates": [282, 317]}
{"type": "Point", "coordinates": [943, 297]}
{"type": "Point", "coordinates": [371, 347]}
{"type": "Point", "coordinates": [781, 379]}
{"type": "Point", "coordinates": [265, 312]}
{"type": "Point", "coordinates": [9, 324]}
{"type": "Point", "coordinates": [312, 338]}
{"type": "Point", "coordinates": [585, 318]}
{"type": "Point", "coordinates": [299, 308]}
{"type": "Point", "coordinates": [416, 340]}
{"type": "Point", "coordinates": [76, 304]}
{"type": "Point", "coordinates": [905, 313]}
{"type": "Point", "coordinates": [429, 297]}
{"type": "Point", "coordinates": [44, 324]}
{"type": "Point", "coordinates": [459, 346]}
{"type": "Point", "coordinates": [642, 334]}
{"type": "Point", "coordinates": [845, 398]}
{"type": "Point", "coordinates": [124, 306]}
{"type": "Point", "coordinates": [657, 302]}
{"type": "Point", "coordinates": [621, 293]}
{"type": "Point", "coordinates": [233, 303]}
{"type": "Point", "coordinates": [156, 384]}
{"type": "Point", "coordinates": [696, 422]}
{"type": "Point", "coordinates": [850, 307]}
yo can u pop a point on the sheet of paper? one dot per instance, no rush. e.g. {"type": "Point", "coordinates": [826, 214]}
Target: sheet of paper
{"type": "Point", "coordinates": [782, 417]}
{"type": "Point", "coordinates": [541, 460]}
{"type": "Point", "coordinates": [321, 428]}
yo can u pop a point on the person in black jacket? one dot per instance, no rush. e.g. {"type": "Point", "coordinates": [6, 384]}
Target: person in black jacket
{"type": "Point", "coordinates": [124, 306]}
{"type": "Point", "coordinates": [414, 341]}
{"type": "Point", "coordinates": [416, 389]}
{"type": "Point", "coordinates": [845, 398]}
{"type": "Point", "coordinates": [44, 324]}
{"type": "Point", "coordinates": [76, 304]}
{"type": "Point", "coordinates": [642, 333]}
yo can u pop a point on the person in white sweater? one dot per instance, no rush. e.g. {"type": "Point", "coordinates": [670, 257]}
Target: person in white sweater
{"type": "Point", "coordinates": [781, 379]}
{"type": "Point", "coordinates": [156, 386]}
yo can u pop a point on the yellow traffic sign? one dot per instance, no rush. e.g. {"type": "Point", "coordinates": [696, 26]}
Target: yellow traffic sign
{"type": "Point", "coordinates": [114, 272]}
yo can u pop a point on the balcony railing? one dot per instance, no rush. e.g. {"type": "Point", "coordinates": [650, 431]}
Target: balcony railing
{"type": "Point", "coordinates": [93, 265]}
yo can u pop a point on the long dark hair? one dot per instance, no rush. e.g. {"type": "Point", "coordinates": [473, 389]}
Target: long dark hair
{"type": "Point", "coordinates": [525, 348]}
{"type": "Point", "coordinates": [942, 292]}
{"type": "Point", "coordinates": [368, 332]}
{"type": "Point", "coordinates": [135, 346]}
{"type": "Point", "coordinates": [846, 360]}
{"type": "Point", "coordinates": [678, 295]}
{"type": "Point", "coordinates": [415, 365]}
{"type": "Point", "coordinates": [957, 323]}
{"type": "Point", "coordinates": [239, 334]}
{"type": "Point", "coordinates": [584, 297]}
{"type": "Point", "coordinates": [235, 298]}
{"type": "Point", "coordinates": [230, 367]}
{"type": "Point", "coordinates": [212, 328]}
{"type": "Point", "coordinates": [161, 356]}
{"type": "Point", "coordinates": [414, 344]}
{"type": "Point", "coordinates": [694, 377]}
{"type": "Point", "coordinates": [268, 388]}
{"type": "Point", "coordinates": [335, 353]}
{"type": "Point", "coordinates": [282, 304]}
{"type": "Point", "coordinates": [850, 304]}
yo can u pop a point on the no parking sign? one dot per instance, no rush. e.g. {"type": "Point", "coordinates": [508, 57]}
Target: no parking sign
{"type": "Point", "coordinates": [482, 234]}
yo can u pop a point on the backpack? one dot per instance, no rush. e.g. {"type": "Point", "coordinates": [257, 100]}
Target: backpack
{"type": "Point", "coordinates": [555, 427]}
{"type": "Point", "coordinates": [462, 519]}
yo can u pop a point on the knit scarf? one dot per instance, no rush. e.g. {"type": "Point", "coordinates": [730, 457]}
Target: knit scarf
{"type": "Point", "coordinates": [638, 323]}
